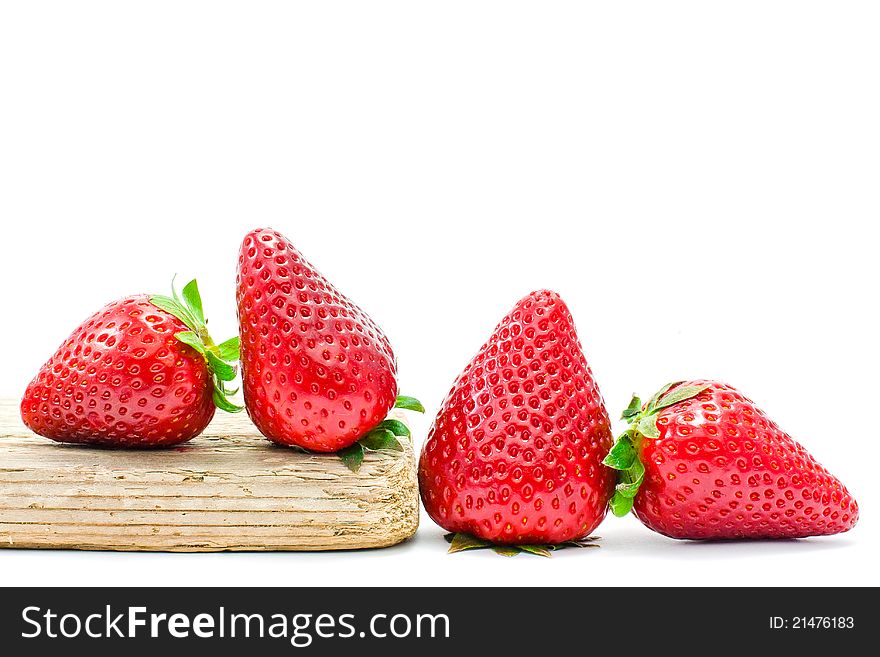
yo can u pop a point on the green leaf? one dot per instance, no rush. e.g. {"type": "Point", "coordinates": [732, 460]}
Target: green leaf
{"type": "Point", "coordinates": [637, 471]}
{"type": "Point", "coordinates": [680, 395]}
{"type": "Point", "coordinates": [193, 301]}
{"type": "Point", "coordinates": [396, 427]}
{"type": "Point", "coordinates": [222, 370]}
{"type": "Point", "coordinates": [652, 403]}
{"type": "Point", "coordinates": [633, 478]}
{"type": "Point", "coordinates": [620, 504]}
{"type": "Point", "coordinates": [622, 455]}
{"type": "Point", "coordinates": [586, 542]}
{"type": "Point", "coordinates": [352, 457]}
{"type": "Point", "coordinates": [409, 404]}
{"type": "Point", "coordinates": [540, 550]}
{"type": "Point", "coordinates": [191, 339]}
{"type": "Point", "coordinates": [460, 542]}
{"type": "Point", "coordinates": [647, 426]}
{"type": "Point", "coordinates": [221, 396]}
{"type": "Point", "coordinates": [629, 489]}
{"type": "Point", "coordinates": [165, 303]}
{"type": "Point", "coordinates": [635, 405]}
{"type": "Point", "coordinates": [169, 305]}
{"type": "Point", "coordinates": [230, 349]}
{"type": "Point", "coordinates": [381, 439]}
{"type": "Point", "coordinates": [221, 402]}
{"type": "Point", "coordinates": [506, 550]}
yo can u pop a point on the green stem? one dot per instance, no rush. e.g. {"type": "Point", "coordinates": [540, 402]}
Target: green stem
{"type": "Point", "coordinates": [625, 454]}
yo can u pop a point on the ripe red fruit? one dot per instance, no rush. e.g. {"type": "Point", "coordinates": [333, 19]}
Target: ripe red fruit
{"type": "Point", "coordinates": [141, 372]}
{"type": "Point", "coordinates": [514, 455]}
{"type": "Point", "coordinates": [701, 461]}
{"type": "Point", "coordinates": [317, 372]}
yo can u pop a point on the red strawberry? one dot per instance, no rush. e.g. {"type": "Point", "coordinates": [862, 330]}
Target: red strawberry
{"type": "Point", "coordinates": [514, 456]}
{"type": "Point", "coordinates": [141, 372]}
{"type": "Point", "coordinates": [317, 372]}
{"type": "Point", "coordinates": [701, 461]}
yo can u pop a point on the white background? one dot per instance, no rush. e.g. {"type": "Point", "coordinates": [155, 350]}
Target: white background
{"type": "Point", "coordinates": [698, 181]}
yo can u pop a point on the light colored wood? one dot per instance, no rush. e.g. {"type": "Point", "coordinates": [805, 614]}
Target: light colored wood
{"type": "Point", "coordinates": [228, 489]}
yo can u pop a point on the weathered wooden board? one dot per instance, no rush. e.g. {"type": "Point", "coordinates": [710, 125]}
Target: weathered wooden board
{"type": "Point", "coordinates": [228, 489]}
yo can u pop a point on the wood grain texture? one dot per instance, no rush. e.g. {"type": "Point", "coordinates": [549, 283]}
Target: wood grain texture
{"type": "Point", "coordinates": [228, 489]}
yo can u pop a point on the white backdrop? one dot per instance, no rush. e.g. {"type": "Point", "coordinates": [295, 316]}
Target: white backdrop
{"type": "Point", "coordinates": [700, 183]}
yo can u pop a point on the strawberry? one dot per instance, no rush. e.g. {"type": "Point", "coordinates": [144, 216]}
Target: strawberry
{"type": "Point", "coordinates": [701, 461]}
{"type": "Point", "coordinates": [140, 372]}
{"type": "Point", "coordinates": [514, 455]}
{"type": "Point", "coordinates": [317, 372]}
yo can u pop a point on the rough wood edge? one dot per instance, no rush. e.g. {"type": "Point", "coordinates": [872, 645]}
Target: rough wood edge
{"type": "Point", "coordinates": [29, 464]}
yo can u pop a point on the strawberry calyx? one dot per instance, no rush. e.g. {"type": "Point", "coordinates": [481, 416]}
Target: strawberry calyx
{"type": "Point", "coordinates": [387, 435]}
{"type": "Point", "coordinates": [624, 455]}
{"type": "Point", "coordinates": [460, 541]}
{"type": "Point", "coordinates": [220, 358]}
